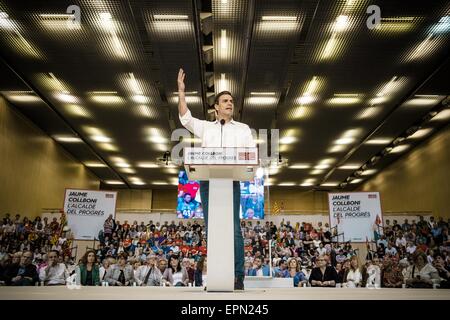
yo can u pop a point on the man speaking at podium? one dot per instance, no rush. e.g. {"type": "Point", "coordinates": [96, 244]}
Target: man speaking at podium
{"type": "Point", "coordinates": [224, 132]}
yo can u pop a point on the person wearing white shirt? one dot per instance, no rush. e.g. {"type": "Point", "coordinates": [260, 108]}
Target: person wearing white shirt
{"type": "Point", "coordinates": [316, 243]}
{"type": "Point", "coordinates": [149, 274]}
{"type": "Point", "coordinates": [321, 249]}
{"type": "Point", "coordinates": [421, 274]}
{"type": "Point", "coordinates": [373, 276]}
{"type": "Point", "coordinates": [390, 250]}
{"type": "Point", "coordinates": [353, 277]}
{"type": "Point", "coordinates": [224, 132]}
{"type": "Point", "coordinates": [106, 264]}
{"type": "Point", "coordinates": [400, 241]}
{"type": "Point", "coordinates": [410, 248]}
{"type": "Point", "coordinates": [54, 273]}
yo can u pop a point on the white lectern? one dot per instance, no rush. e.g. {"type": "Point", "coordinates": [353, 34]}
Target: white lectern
{"type": "Point", "coordinates": [221, 166]}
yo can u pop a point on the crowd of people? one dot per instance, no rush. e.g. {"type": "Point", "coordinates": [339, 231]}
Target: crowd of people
{"type": "Point", "coordinates": [414, 255]}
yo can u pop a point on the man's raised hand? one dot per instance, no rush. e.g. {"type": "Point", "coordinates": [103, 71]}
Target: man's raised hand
{"type": "Point", "coordinates": [180, 80]}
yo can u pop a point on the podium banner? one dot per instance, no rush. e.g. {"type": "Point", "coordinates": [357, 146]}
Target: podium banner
{"type": "Point", "coordinates": [221, 156]}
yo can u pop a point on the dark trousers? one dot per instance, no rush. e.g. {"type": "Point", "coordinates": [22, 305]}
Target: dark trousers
{"type": "Point", "coordinates": [238, 240]}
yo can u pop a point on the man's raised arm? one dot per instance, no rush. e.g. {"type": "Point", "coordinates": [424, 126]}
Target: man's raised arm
{"type": "Point", "coordinates": [182, 106]}
{"type": "Point", "coordinates": [194, 125]}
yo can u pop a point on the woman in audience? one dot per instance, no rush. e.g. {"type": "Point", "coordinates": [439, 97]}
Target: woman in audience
{"type": "Point", "coordinates": [87, 272]}
{"type": "Point", "coordinates": [352, 278]}
{"type": "Point", "coordinates": [175, 275]}
{"type": "Point", "coordinates": [421, 274]}
{"type": "Point", "coordinates": [200, 273]}
{"type": "Point", "coordinates": [323, 275]}
{"type": "Point", "coordinates": [343, 271]}
{"type": "Point", "coordinates": [121, 274]}
{"type": "Point", "coordinates": [444, 273]}
{"type": "Point", "coordinates": [295, 273]}
{"type": "Point", "coordinates": [392, 273]}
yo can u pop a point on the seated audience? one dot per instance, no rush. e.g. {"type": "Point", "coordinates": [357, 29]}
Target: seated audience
{"type": "Point", "coordinates": [392, 274]}
{"type": "Point", "coordinates": [87, 272]}
{"type": "Point", "coordinates": [352, 277]}
{"type": "Point", "coordinates": [421, 274]}
{"type": "Point", "coordinates": [24, 273]}
{"type": "Point", "coordinates": [149, 273]}
{"type": "Point", "coordinates": [294, 272]}
{"type": "Point", "coordinates": [201, 273]}
{"type": "Point", "coordinates": [175, 274]}
{"type": "Point", "coordinates": [259, 269]}
{"type": "Point", "coordinates": [54, 273]}
{"type": "Point", "coordinates": [323, 275]}
{"type": "Point", "coordinates": [122, 274]}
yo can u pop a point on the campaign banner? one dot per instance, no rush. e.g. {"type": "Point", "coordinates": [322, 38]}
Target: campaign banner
{"type": "Point", "coordinates": [356, 214]}
{"type": "Point", "coordinates": [87, 211]}
{"type": "Point", "coordinates": [221, 156]}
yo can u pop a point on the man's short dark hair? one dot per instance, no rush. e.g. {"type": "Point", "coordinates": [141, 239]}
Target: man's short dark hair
{"type": "Point", "coordinates": [216, 99]}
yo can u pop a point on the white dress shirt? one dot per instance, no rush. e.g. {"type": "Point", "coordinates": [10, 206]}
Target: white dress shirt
{"type": "Point", "coordinates": [234, 134]}
{"type": "Point", "coordinates": [56, 275]}
{"type": "Point", "coordinates": [141, 274]}
{"type": "Point", "coordinates": [428, 272]}
{"type": "Point", "coordinates": [353, 278]}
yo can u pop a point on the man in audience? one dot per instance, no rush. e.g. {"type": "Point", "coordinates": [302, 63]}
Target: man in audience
{"type": "Point", "coordinates": [162, 265]}
{"type": "Point", "coordinates": [24, 273]}
{"type": "Point", "coordinates": [187, 265]}
{"type": "Point", "coordinates": [54, 273]}
{"type": "Point", "coordinates": [281, 270]}
{"type": "Point", "coordinates": [390, 250]}
{"type": "Point", "coordinates": [149, 274]}
{"type": "Point", "coordinates": [258, 268]}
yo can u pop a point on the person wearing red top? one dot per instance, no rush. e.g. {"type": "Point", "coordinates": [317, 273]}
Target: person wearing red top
{"type": "Point", "coordinates": [191, 187]}
{"type": "Point", "coordinates": [185, 249]}
{"type": "Point", "coordinates": [127, 242]}
{"type": "Point", "coordinates": [308, 227]}
{"type": "Point", "coordinates": [202, 248]}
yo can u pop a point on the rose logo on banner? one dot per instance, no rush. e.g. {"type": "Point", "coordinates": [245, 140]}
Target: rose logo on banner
{"type": "Point", "coordinates": [246, 156]}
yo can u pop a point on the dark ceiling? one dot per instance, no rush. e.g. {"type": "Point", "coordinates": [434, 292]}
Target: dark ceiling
{"type": "Point", "coordinates": [348, 100]}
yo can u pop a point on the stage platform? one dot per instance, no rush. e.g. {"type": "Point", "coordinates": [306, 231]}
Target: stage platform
{"type": "Point", "coordinates": [255, 294]}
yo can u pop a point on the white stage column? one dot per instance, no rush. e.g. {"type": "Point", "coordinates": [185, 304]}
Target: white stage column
{"type": "Point", "coordinates": [220, 236]}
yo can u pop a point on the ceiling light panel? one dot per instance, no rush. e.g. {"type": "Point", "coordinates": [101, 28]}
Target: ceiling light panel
{"type": "Point", "coordinates": [60, 23]}
{"type": "Point", "coordinates": [13, 34]}
{"type": "Point", "coordinates": [394, 25]}
{"type": "Point", "coordinates": [424, 49]}
{"type": "Point", "coordinates": [21, 96]}
{"type": "Point", "coordinates": [112, 41]}
{"type": "Point", "coordinates": [271, 39]}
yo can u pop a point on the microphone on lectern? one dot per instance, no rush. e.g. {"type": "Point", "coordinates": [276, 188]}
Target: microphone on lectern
{"type": "Point", "coordinates": [222, 122]}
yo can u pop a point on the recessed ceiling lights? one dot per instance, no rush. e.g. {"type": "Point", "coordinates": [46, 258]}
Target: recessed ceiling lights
{"type": "Point", "coordinates": [379, 141]}
{"type": "Point", "coordinates": [100, 138]}
{"type": "Point", "coordinates": [66, 138]}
